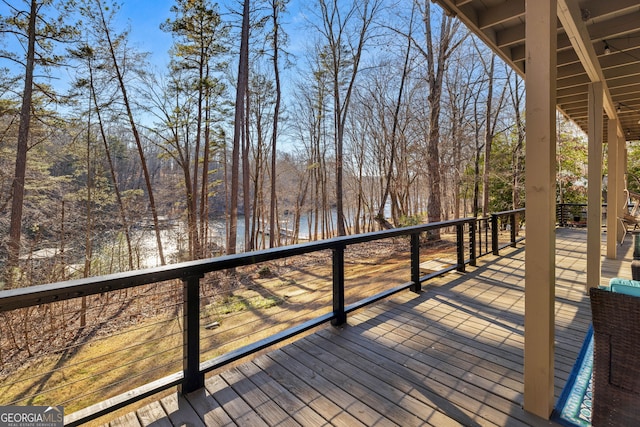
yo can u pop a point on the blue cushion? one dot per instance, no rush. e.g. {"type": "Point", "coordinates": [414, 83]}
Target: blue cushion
{"type": "Point", "coordinates": [625, 286]}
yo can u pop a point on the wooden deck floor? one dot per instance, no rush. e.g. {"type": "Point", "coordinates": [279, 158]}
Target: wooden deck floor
{"type": "Point", "coordinates": [452, 355]}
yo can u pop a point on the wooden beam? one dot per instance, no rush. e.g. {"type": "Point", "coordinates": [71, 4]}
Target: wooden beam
{"type": "Point", "coordinates": [625, 71]}
{"type": "Point", "coordinates": [570, 15]}
{"type": "Point", "coordinates": [573, 81]}
{"type": "Point", "coordinates": [613, 191]}
{"type": "Point", "coordinates": [570, 70]}
{"type": "Point", "coordinates": [623, 82]}
{"type": "Point", "coordinates": [617, 57]}
{"type": "Point", "coordinates": [599, 8]}
{"type": "Point", "coordinates": [622, 172]}
{"type": "Point", "coordinates": [501, 13]}
{"type": "Point", "coordinates": [594, 185]}
{"type": "Point", "coordinates": [561, 93]}
{"type": "Point", "coordinates": [614, 28]}
{"type": "Point", "coordinates": [539, 319]}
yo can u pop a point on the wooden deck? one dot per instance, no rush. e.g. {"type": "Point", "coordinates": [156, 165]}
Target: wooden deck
{"type": "Point", "coordinates": [452, 355]}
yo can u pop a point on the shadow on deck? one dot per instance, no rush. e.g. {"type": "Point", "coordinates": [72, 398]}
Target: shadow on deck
{"type": "Point", "coordinates": [452, 355]}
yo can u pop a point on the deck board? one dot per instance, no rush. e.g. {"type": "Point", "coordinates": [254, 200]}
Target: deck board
{"type": "Point", "coordinates": [320, 403]}
{"type": "Point", "coordinates": [259, 401]}
{"type": "Point", "coordinates": [153, 414]}
{"type": "Point", "coordinates": [290, 403]}
{"type": "Point", "coordinates": [180, 412]}
{"type": "Point", "coordinates": [318, 376]}
{"type": "Point", "coordinates": [126, 420]}
{"type": "Point", "coordinates": [446, 378]}
{"type": "Point", "coordinates": [395, 369]}
{"type": "Point", "coordinates": [451, 355]}
{"type": "Point", "coordinates": [365, 385]}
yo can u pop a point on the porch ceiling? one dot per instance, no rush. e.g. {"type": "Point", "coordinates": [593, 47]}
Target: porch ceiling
{"type": "Point", "coordinates": [586, 28]}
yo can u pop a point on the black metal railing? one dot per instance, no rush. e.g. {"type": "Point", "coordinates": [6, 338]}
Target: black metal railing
{"type": "Point", "coordinates": [473, 238]}
{"type": "Point", "coordinates": [575, 214]}
{"type": "Point", "coordinates": [489, 231]}
{"type": "Point", "coordinates": [508, 220]}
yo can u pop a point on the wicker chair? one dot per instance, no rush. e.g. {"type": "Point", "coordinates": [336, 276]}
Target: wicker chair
{"type": "Point", "coordinates": [616, 358]}
{"type": "Point", "coordinates": [631, 213]}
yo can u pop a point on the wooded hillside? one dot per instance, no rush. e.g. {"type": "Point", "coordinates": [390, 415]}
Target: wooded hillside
{"type": "Point", "coordinates": [275, 121]}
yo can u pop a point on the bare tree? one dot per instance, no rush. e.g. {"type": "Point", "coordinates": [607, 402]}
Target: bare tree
{"type": "Point", "coordinates": [461, 84]}
{"type": "Point", "coordinates": [262, 98]}
{"type": "Point", "coordinates": [478, 118]}
{"type": "Point", "coordinates": [342, 55]}
{"type": "Point", "coordinates": [86, 53]}
{"type": "Point", "coordinates": [239, 133]}
{"type": "Point", "coordinates": [516, 89]}
{"type": "Point", "coordinates": [437, 54]}
{"type": "Point", "coordinates": [491, 112]}
{"type": "Point", "coordinates": [277, 37]}
{"type": "Point", "coordinates": [95, 11]}
{"type": "Point", "coordinates": [310, 116]}
{"type": "Point", "coordinates": [380, 217]}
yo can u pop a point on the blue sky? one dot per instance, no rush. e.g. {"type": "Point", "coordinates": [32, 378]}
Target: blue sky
{"type": "Point", "coordinates": [144, 18]}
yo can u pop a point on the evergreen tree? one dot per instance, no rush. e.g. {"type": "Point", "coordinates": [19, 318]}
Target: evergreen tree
{"type": "Point", "coordinates": [37, 27]}
{"type": "Point", "coordinates": [198, 54]}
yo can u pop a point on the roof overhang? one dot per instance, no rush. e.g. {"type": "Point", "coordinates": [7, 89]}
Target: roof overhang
{"type": "Point", "coordinates": [597, 41]}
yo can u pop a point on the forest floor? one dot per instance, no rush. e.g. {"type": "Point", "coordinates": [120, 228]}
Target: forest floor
{"type": "Point", "coordinates": [140, 331]}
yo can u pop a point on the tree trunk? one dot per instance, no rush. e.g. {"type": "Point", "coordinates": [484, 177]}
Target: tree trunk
{"type": "Point", "coordinates": [517, 151]}
{"type": "Point", "coordinates": [435, 76]}
{"type": "Point", "coordinates": [112, 169]}
{"type": "Point", "coordinates": [246, 171]}
{"type": "Point", "coordinates": [380, 217]}
{"type": "Point", "coordinates": [488, 139]}
{"type": "Point", "coordinates": [197, 251]}
{"type": "Point", "coordinates": [17, 190]}
{"type": "Point", "coordinates": [274, 235]}
{"type": "Point", "coordinates": [239, 126]}
{"type": "Point", "coordinates": [476, 162]}
{"type": "Point", "coordinates": [204, 189]}
{"type": "Point", "coordinates": [436, 65]}
{"type": "Point", "coordinates": [134, 130]}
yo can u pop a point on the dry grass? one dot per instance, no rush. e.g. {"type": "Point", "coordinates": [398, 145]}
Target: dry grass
{"type": "Point", "coordinates": [143, 343]}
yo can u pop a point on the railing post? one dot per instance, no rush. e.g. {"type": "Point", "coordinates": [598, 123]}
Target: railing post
{"type": "Point", "coordinates": [487, 228]}
{"type": "Point", "coordinates": [193, 378]}
{"type": "Point", "coordinates": [472, 243]}
{"type": "Point", "coordinates": [479, 231]}
{"type": "Point", "coordinates": [513, 229]}
{"type": "Point", "coordinates": [494, 234]}
{"type": "Point", "coordinates": [562, 219]}
{"type": "Point", "coordinates": [415, 263]}
{"type": "Point", "coordinates": [460, 246]}
{"type": "Point", "coordinates": [338, 286]}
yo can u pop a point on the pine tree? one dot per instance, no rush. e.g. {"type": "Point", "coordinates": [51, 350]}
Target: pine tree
{"type": "Point", "coordinates": [198, 53]}
{"type": "Point", "coordinates": [38, 31]}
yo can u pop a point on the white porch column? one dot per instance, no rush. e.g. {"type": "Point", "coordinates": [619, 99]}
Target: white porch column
{"type": "Point", "coordinates": [540, 83]}
{"type": "Point", "coordinates": [594, 186]}
{"type": "Point", "coordinates": [622, 176]}
{"type": "Point", "coordinates": [614, 192]}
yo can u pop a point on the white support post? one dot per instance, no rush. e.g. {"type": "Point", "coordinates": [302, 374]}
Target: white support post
{"type": "Point", "coordinates": [613, 191]}
{"type": "Point", "coordinates": [594, 185]}
{"type": "Point", "coordinates": [621, 178]}
{"type": "Point", "coordinates": [539, 319]}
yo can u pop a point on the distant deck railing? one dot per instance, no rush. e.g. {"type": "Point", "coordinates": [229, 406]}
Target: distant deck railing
{"type": "Point", "coordinates": [473, 238]}
{"type": "Point", "coordinates": [575, 214]}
